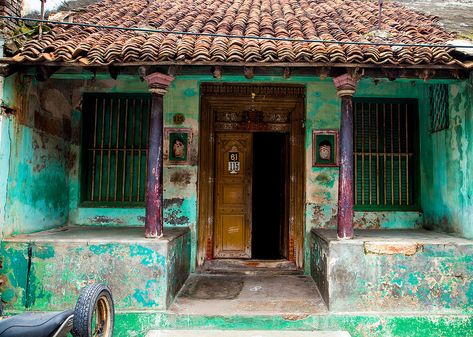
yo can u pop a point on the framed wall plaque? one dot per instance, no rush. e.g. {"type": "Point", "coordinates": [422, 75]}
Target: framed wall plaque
{"type": "Point", "coordinates": [325, 148]}
{"type": "Point", "coordinates": [177, 146]}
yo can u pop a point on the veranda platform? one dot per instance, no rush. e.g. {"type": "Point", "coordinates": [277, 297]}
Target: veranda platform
{"type": "Point", "coordinates": [44, 271]}
{"type": "Point", "coordinates": [402, 271]}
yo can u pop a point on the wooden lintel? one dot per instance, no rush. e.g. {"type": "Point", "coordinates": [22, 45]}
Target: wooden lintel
{"type": "Point", "coordinates": [43, 73]}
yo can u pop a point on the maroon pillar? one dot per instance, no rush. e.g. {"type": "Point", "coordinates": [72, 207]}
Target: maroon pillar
{"type": "Point", "coordinates": [158, 84]}
{"type": "Point", "coordinates": [345, 85]}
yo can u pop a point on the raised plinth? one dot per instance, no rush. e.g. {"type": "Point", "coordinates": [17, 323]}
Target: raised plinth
{"type": "Point", "coordinates": [46, 270]}
{"type": "Point", "coordinates": [393, 271]}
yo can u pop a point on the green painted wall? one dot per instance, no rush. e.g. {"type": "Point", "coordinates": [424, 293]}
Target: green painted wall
{"type": "Point", "coordinates": [5, 144]}
{"type": "Point", "coordinates": [447, 156]}
{"type": "Point", "coordinates": [180, 193]}
{"type": "Point", "coordinates": [358, 325]}
{"type": "Point", "coordinates": [34, 142]}
{"type": "Point", "coordinates": [44, 274]}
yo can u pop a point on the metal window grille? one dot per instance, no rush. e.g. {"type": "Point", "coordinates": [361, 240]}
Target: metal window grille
{"type": "Point", "coordinates": [384, 153]}
{"type": "Point", "coordinates": [115, 147]}
{"type": "Point", "coordinates": [439, 117]}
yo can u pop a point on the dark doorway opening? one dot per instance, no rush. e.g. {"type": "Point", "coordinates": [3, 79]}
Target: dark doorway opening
{"type": "Point", "coordinates": [270, 228]}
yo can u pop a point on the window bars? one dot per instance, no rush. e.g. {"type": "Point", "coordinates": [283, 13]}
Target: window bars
{"type": "Point", "coordinates": [115, 148]}
{"type": "Point", "coordinates": [439, 117]}
{"type": "Point", "coordinates": [385, 143]}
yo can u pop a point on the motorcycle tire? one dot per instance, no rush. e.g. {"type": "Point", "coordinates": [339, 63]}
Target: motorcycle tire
{"type": "Point", "coordinates": [94, 312]}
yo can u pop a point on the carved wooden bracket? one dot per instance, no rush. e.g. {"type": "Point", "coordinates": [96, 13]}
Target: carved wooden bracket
{"type": "Point", "coordinates": [158, 83]}
{"type": "Point", "coordinates": [345, 84]}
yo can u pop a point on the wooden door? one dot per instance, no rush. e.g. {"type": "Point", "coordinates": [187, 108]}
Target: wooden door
{"type": "Point", "coordinates": [233, 172]}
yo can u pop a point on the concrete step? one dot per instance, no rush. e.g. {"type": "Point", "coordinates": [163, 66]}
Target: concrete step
{"type": "Point", "coordinates": [244, 333]}
{"type": "Point", "coordinates": [249, 267]}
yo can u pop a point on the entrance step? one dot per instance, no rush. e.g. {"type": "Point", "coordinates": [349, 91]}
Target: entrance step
{"type": "Point", "coordinates": [244, 333]}
{"type": "Point", "coordinates": [250, 267]}
{"type": "Point", "coordinates": [249, 296]}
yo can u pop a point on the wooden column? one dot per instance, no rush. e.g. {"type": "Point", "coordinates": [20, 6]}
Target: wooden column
{"type": "Point", "coordinates": [158, 84]}
{"type": "Point", "coordinates": [346, 86]}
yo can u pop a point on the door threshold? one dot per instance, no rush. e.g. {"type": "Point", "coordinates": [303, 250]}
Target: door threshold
{"type": "Point", "coordinates": [249, 267]}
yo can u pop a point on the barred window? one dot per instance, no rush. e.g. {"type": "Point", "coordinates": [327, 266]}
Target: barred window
{"type": "Point", "coordinates": [439, 117]}
{"type": "Point", "coordinates": [385, 154]}
{"type": "Point", "coordinates": [115, 148]}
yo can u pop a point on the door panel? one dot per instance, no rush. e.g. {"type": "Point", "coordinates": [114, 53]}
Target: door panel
{"type": "Point", "coordinates": [233, 168]}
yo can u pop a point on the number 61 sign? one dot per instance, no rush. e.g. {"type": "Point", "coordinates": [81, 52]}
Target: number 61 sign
{"type": "Point", "coordinates": [233, 162]}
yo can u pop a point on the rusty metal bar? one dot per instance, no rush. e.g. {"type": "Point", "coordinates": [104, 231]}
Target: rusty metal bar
{"type": "Point", "coordinates": [110, 127]}
{"type": "Point", "coordinates": [148, 116]}
{"type": "Point", "coordinates": [369, 148]}
{"type": "Point", "coordinates": [407, 157]}
{"type": "Point", "coordinates": [384, 151]}
{"type": "Point", "coordinates": [116, 152]}
{"type": "Point", "coordinates": [93, 153]}
{"type": "Point", "coordinates": [377, 151]}
{"type": "Point", "coordinates": [132, 152]}
{"type": "Point", "coordinates": [101, 150]}
{"type": "Point", "coordinates": [392, 157]}
{"type": "Point", "coordinates": [399, 153]}
{"type": "Point", "coordinates": [140, 146]}
{"type": "Point", "coordinates": [124, 154]}
{"type": "Point", "coordinates": [363, 154]}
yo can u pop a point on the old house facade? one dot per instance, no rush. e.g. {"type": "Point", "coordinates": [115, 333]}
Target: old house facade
{"type": "Point", "coordinates": [144, 142]}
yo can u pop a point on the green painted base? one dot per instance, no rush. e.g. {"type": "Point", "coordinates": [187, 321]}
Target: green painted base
{"type": "Point", "coordinates": [131, 324]}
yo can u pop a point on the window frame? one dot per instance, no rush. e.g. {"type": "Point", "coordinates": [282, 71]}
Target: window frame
{"type": "Point", "coordinates": [415, 135]}
{"type": "Point", "coordinates": [84, 201]}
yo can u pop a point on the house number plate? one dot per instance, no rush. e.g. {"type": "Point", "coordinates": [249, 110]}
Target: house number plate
{"type": "Point", "coordinates": [233, 162]}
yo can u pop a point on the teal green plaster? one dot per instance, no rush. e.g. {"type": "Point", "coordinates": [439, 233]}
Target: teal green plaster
{"type": "Point", "coordinates": [142, 275]}
{"type": "Point", "coordinates": [447, 161]}
{"type": "Point", "coordinates": [37, 187]}
{"type": "Point", "coordinates": [322, 112]}
{"type": "Point", "coordinates": [361, 325]}
{"type": "Point", "coordinates": [5, 146]}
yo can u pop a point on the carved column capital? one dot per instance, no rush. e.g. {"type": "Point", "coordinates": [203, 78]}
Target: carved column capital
{"type": "Point", "coordinates": [158, 83]}
{"type": "Point", "coordinates": [346, 85]}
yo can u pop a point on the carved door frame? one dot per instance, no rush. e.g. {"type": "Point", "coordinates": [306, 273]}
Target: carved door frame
{"type": "Point", "coordinates": [251, 108]}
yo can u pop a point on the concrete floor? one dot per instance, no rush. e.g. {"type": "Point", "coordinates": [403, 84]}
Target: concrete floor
{"type": "Point", "coordinates": [97, 234]}
{"type": "Point", "coordinates": [403, 236]}
{"type": "Point", "coordinates": [291, 295]}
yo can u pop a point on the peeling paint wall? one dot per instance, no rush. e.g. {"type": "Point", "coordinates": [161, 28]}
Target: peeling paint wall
{"type": "Point", "coordinates": [47, 276]}
{"type": "Point", "coordinates": [62, 154]}
{"type": "Point", "coordinates": [394, 274]}
{"type": "Point", "coordinates": [36, 142]}
{"type": "Point", "coordinates": [447, 179]}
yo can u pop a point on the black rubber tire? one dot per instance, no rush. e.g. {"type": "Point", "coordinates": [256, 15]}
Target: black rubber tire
{"type": "Point", "coordinates": [93, 297]}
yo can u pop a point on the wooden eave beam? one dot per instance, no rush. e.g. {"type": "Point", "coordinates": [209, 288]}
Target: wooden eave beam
{"type": "Point", "coordinates": [318, 70]}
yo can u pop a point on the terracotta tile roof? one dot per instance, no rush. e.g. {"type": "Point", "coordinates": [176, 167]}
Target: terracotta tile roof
{"type": "Point", "coordinates": [341, 20]}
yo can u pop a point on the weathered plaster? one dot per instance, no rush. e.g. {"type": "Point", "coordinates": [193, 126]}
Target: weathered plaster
{"type": "Point", "coordinates": [180, 182]}
{"type": "Point", "coordinates": [37, 138]}
{"type": "Point", "coordinates": [394, 271]}
{"type": "Point", "coordinates": [447, 157]}
{"type": "Point", "coordinates": [134, 324]}
{"type": "Point", "coordinates": [46, 272]}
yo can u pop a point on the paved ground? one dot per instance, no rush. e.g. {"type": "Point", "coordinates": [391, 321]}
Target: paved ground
{"type": "Point", "coordinates": [249, 295]}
